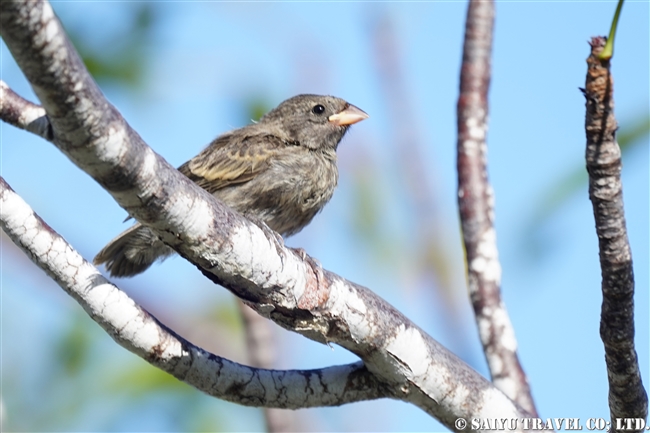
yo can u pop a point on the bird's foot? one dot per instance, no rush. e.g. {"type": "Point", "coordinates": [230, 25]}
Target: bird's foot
{"type": "Point", "coordinates": [312, 262]}
{"type": "Point", "coordinates": [317, 286]}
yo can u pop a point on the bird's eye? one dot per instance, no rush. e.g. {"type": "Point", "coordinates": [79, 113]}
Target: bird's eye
{"type": "Point", "coordinates": [318, 109]}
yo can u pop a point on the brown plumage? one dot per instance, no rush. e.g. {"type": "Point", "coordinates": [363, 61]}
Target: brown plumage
{"type": "Point", "coordinates": [281, 170]}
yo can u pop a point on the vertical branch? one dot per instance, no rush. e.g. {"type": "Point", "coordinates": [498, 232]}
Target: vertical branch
{"type": "Point", "coordinates": [476, 207]}
{"type": "Point", "coordinates": [260, 345]}
{"type": "Point", "coordinates": [627, 397]}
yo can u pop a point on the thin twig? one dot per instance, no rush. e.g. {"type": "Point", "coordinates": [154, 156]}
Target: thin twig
{"type": "Point", "coordinates": [627, 397]}
{"type": "Point", "coordinates": [476, 206]}
{"type": "Point", "coordinates": [23, 114]}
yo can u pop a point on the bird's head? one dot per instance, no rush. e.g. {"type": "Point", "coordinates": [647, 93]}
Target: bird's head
{"type": "Point", "coordinates": [314, 121]}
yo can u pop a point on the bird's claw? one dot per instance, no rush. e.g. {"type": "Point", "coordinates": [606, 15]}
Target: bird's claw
{"type": "Point", "coordinates": [312, 262]}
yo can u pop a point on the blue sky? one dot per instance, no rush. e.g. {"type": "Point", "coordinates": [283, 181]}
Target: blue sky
{"type": "Point", "coordinates": [208, 60]}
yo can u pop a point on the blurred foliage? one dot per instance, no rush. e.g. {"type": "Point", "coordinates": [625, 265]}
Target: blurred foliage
{"type": "Point", "coordinates": [256, 108]}
{"type": "Point", "coordinates": [125, 62]}
{"type": "Point", "coordinates": [227, 316]}
{"type": "Point", "coordinates": [366, 216]}
{"type": "Point", "coordinates": [536, 242]}
{"type": "Point", "coordinates": [72, 349]}
{"type": "Point", "coordinates": [141, 379]}
{"type": "Point", "coordinates": [366, 219]}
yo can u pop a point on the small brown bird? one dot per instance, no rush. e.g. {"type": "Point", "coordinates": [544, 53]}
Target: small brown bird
{"type": "Point", "coordinates": [280, 170]}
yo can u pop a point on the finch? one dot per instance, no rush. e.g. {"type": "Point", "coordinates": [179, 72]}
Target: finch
{"type": "Point", "coordinates": [280, 170]}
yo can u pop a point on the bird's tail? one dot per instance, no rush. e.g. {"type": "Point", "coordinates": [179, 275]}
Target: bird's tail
{"type": "Point", "coordinates": [132, 252]}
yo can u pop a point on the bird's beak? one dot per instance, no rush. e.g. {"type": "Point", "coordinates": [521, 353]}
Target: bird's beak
{"type": "Point", "coordinates": [349, 116]}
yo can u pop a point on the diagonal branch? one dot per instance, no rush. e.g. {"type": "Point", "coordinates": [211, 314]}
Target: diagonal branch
{"type": "Point", "coordinates": [476, 207]}
{"type": "Point", "coordinates": [246, 258]}
{"type": "Point", "coordinates": [627, 397]}
{"type": "Point", "coordinates": [139, 332]}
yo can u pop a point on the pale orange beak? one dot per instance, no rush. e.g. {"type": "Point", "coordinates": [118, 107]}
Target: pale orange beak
{"type": "Point", "coordinates": [349, 116]}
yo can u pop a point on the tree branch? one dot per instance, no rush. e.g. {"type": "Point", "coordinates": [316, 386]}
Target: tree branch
{"type": "Point", "coordinates": [627, 397]}
{"type": "Point", "coordinates": [476, 206]}
{"type": "Point", "coordinates": [261, 349]}
{"type": "Point", "coordinates": [247, 258]}
{"type": "Point", "coordinates": [23, 114]}
{"type": "Point", "coordinates": [138, 331]}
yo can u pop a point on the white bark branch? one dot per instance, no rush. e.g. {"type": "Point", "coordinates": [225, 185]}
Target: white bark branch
{"type": "Point", "coordinates": [138, 331]}
{"type": "Point", "coordinates": [244, 257]}
{"type": "Point", "coordinates": [476, 208]}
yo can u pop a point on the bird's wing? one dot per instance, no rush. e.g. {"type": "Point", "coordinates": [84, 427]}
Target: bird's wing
{"type": "Point", "coordinates": [231, 160]}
